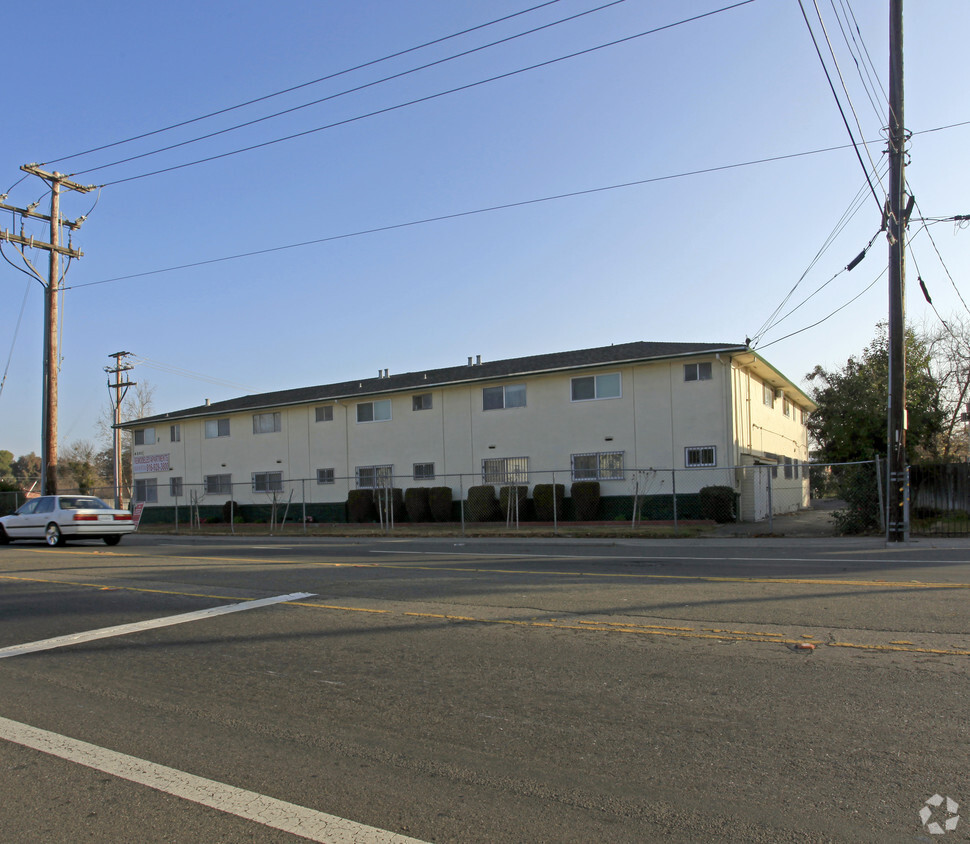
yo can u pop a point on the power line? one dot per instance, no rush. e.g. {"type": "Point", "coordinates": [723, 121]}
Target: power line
{"type": "Point", "coordinates": [459, 214]}
{"type": "Point", "coordinates": [292, 88]}
{"type": "Point", "coordinates": [353, 90]}
{"type": "Point", "coordinates": [429, 97]}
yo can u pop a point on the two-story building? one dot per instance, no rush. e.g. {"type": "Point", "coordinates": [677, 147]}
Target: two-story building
{"type": "Point", "coordinates": [600, 413]}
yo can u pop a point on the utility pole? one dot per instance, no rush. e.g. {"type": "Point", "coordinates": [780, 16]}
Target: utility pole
{"type": "Point", "coordinates": [119, 396]}
{"type": "Point", "coordinates": [48, 464]}
{"type": "Point", "coordinates": [897, 521]}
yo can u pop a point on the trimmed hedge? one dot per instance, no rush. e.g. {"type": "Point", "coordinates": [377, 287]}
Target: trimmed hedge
{"type": "Point", "coordinates": [439, 500]}
{"type": "Point", "coordinates": [416, 502]}
{"type": "Point", "coordinates": [717, 503]}
{"type": "Point", "coordinates": [482, 505]}
{"type": "Point", "coordinates": [507, 504]}
{"type": "Point", "coordinates": [231, 511]}
{"type": "Point", "coordinates": [542, 497]}
{"type": "Point", "coordinates": [360, 506]}
{"type": "Point", "coordinates": [586, 500]}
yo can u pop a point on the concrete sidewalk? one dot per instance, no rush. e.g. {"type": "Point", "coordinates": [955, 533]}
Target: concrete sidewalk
{"type": "Point", "coordinates": [816, 521]}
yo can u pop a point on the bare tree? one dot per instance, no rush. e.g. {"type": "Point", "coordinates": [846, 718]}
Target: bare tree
{"type": "Point", "coordinates": [949, 347]}
{"type": "Point", "coordinates": [137, 404]}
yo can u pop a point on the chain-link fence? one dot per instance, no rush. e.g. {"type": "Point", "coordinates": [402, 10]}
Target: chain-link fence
{"type": "Point", "coordinates": [510, 496]}
{"type": "Point", "coordinates": [940, 496]}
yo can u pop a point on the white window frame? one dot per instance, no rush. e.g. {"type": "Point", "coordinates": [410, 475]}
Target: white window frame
{"type": "Point", "coordinates": [144, 436]}
{"type": "Point", "coordinates": [217, 484]}
{"type": "Point", "coordinates": [423, 471]}
{"type": "Point", "coordinates": [505, 396]}
{"type": "Point", "coordinates": [267, 481]}
{"type": "Point", "coordinates": [374, 477]}
{"type": "Point", "coordinates": [325, 476]}
{"type": "Point", "coordinates": [608, 466]}
{"type": "Point", "coordinates": [694, 456]}
{"type": "Point", "coordinates": [422, 401]}
{"type": "Point", "coordinates": [175, 433]}
{"type": "Point", "coordinates": [267, 423]}
{"type": "Point", "coordinates": [700, 371]}
{"type": "Point", "coordinates": [215, 428]}
{"type": "Point", "coordinates": [324, 413]}
{"type": "Point", "coordinates": [505, 470]}
{"type": "Point", "coordinates": [175, 488]}
{"type": "Point", "coordinates": [377, 410]}
{"type": "Point", "coordinates": [769, 396]}
{"type": "Point", "coordinates": [600, 389]}
{"type": "Point", "coordinates": [786, 407]}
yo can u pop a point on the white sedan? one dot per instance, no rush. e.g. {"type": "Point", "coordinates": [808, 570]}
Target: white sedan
{"type": "Point", "coordinates": [57, 518]}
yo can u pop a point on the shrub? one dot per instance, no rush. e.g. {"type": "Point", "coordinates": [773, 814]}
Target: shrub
{"type": "Point", "coordinates": [717, 503]}
{"type": "Point", "coordinates": [416, 502]}
{"type": "Point", "coordinates": [586, 500]}
{"type": "Point", "coordinates": [507, 504]}
{"type": "Point", "coordinates": [396, 501]}
{"type": "Point", "coordinates": [231, 513]}
{"type": "Point", "coordinates": [857, 487]}
{"type": "Point", "coordinates": [542, 497]}
{"type": "Point", "coordinates": [439, 500]}
{"type": "Point", "coordinates": [482, 504]}
{"type": "Point", "coordinates": [360, 506]}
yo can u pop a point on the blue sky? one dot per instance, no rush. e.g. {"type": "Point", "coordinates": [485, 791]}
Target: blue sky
{"type": "Point", "coordinates": [706, 257]}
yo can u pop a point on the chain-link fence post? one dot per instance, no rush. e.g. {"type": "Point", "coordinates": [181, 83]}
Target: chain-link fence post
{"type": "Point", "coordinates": [555, 507]}
{"type": "Point", "coordinates": [771, 506]}
{"type": "Point", "coordinates": [461, 501]}
{"type": "Point", "coordinates": [673, 491]}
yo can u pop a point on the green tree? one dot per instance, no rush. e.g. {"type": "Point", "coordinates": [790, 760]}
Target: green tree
{"type": "Point", "coordinates": [851, 420]}
{"type": "Point", "coordinates": [26, 469]}
{"type": "Point", "coordinates": [6, 463]}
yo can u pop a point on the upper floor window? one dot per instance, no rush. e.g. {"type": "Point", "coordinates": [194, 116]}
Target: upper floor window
{"type": "Point", "coordinates": [325, 413]}
{"type": "Point", "coordinates": [596, 387]}
{"type": "Point", "coordinates": [599, 466]}
{"type": "Point", "coordinates": [374, 411]}
{"type": "Point", "coordinates": [769, 395]}
{"type": "Point", "coordinates": [422, 401]}
{"type": "Point", "coordinates": [175, 433]}
{"type": "Point", "coordinates": [698, 371]}
{"type": "Point", "coordinates": [266, 423]}
{"type": "Point", "coordinates": [216, 428]}
{"type": "Point", "coordinates": [786, 407]}
{"type": "Point", "coordinates": [508, 395]}
{"type": "Point", "coordinates": [145, 436]}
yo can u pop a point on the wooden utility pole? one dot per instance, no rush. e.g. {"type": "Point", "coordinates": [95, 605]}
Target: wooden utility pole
{"type": "Point", "coordinates": [119, 395]}
{"type": "Point", "coordinates": [897, 522]}
{"type": "Point", "coordinates": [48, 465]}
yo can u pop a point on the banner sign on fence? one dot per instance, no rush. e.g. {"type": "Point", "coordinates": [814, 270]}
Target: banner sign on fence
{"type": "Point", "coordinates": [136, 516]}
{"type": "Point", "coordinates": [150, 463]}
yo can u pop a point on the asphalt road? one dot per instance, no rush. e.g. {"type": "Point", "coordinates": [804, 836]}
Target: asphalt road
{"type": "Point", "coordinates": [484, 691]}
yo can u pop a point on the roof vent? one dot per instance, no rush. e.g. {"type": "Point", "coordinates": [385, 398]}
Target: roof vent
{"type": "Point", "coordinates": [469, 360]}
{"type": "Point", "coordinates": [207, 402]}
{"type": "Point", "coordinates": [478, 360]}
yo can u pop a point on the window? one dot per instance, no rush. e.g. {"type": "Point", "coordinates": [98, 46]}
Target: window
{"type": "Point", "coordinates": [146, 490]}
{"type": "Point", "coordinates": [804, 417]}
{"type": "Point", "coordinates": [325, 476]}
{"type": "Point", "coordinates": [697, 371]}
{"type": "Point", "coordinates": [774, 467]}
{"type": "Point", "coordinates": [423, 472]}
{"type": "Point", "coordinates": [786, 408]}
{"type": "Point", "coordinates": [499, 398]}
{"type": "Point", "coordinates": [145, 436]}
{"type": "Point", "coordinates": [216, 428]}
{"type": "Point", "coordinates": [325, 414]}
{"type": "Point", "coordinates": [266, 423]}
{"type": "Point", "coordinates": [769, 396]}
{"type": "Point", "coordinates": [267, 481]}
{"type": "Point", "coordinates": [698, 456]}
{"type": "Point", "coordinates": [596, 387]}
{"type": "Point", "coordinates": [175, 487]}
{"type": "Point", "coordinates": [217, 484]}
{"type": "Point", "coordinates": [175, 433]}
{"type": "Point", "coordinates": [505, 470]}
{"type": "Point", "coordinates": [598, 466]}
{"type": "Point", "coordinates": [374, 477]}
{"type": "Point", "coordinates": [788, 469]}
{"type": "Point", "coordinates": [421, 401]}
{"type": "Point", "coordinates": [374, 411]}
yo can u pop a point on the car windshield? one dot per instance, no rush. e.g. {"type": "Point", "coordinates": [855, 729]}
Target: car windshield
{"type": "Point", "coordinates": [72, 502]}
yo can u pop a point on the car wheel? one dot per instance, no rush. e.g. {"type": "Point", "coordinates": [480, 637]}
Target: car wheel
{"type": "Point", "coordinates": [4, 539]}
{"type": "Point", "coordinates": [53, 535]}
{"type": "Point", "coordinates": [111, 540]}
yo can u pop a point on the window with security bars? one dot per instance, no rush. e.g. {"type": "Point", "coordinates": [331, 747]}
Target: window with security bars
{"type": "Point", "coordinates": [217, 484]}
{"type": "Point", "coordinates": [267, 481]}
{"type": "Point", "coordinates": [598, 466]}
{"type": "Point", "coordinates": [505, 470]}
{"type": "Point", "coordinates": [325, 476]}
{"type": "Point", "coordinates": [374, 477]}
{"type": "Point", "coordinates": [697, 457]}
{"type": "Point", "coordinates": [266, 423]}
{"type": "Point", "coordinates": [423, 472]}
